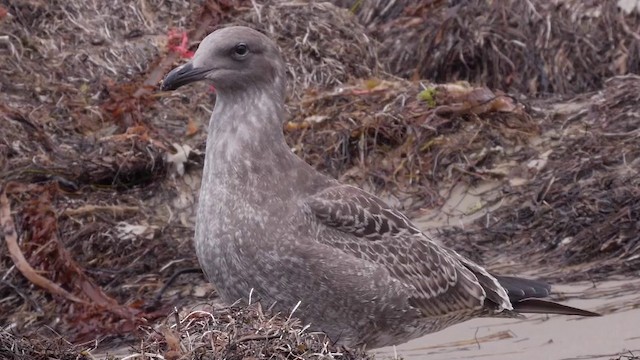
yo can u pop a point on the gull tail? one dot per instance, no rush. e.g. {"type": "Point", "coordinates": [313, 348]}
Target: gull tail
{"type": "Point", "coordinates": [539, 306]}
{"type": "Point", "coordinates": [525, 295]}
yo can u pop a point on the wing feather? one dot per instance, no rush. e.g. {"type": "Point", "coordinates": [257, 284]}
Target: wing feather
{"type": "Point", "coordinates": [442, 281]}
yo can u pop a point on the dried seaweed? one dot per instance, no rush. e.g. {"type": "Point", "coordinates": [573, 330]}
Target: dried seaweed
{"type": "Point", "coordinates": [111, 168]}
{"type": "Point", "coordinates": [240, 332]}
{"type": "Point", "coordinates": [581, 209]}
{"type": "Point", "coordinates": [532, 47]}
{"type": "Point", "coordinates": [83, 137]}
{"type": "Point", "coordinates": [34, 347]}
{"type": "Point", "coordinates": [114, 167]}
{"type": "Point", "coordinates": [385, 136]}
{"type": "Point", "coordinates": [236, 332]}
{"type": "Point", "coordinates": [325, 52]}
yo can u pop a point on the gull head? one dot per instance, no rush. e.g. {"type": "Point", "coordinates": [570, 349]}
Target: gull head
{"type": "Point", "coordinates": [235, 59]}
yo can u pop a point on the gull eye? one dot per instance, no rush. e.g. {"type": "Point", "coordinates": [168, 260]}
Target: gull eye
{"type": "Point", "coordinates": [241, 50]}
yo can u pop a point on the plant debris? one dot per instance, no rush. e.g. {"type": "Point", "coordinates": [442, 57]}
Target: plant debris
{"type": "Point", "coordinates": [14, 347]}
{"type": "Point", "coordinates": [314, 56]}
{"type": "Point", "coordinates": [240, 332]}
{"type": "Point", "coordinates": [388, 137]}
{"type": "Point", "coordinates": [99, 171]}
{"type": "Point", "coordinates": [532, 47]}
{"type": "Point", "coordinates": [580, 208]}
{"type": "Point", "coordinates": [235, 332]}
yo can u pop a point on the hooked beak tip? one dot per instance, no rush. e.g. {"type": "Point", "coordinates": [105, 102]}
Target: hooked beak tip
{"type": "Point", "coordinates": [182, 75]}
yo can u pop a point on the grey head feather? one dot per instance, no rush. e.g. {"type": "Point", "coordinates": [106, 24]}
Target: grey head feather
{"type": "Point", "coordinates": [235, 59]}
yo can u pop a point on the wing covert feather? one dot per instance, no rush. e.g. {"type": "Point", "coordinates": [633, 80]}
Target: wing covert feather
{"type": "Point", "coordinates": [366, 227]}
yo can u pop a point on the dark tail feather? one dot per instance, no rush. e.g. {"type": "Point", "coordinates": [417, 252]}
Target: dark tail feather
{"type": "Point", "coordinates": [519, 288]}
{"type": "Point", "coordinates": [524, 295]}
{"type": "Point", "coordinates": [538, 306]}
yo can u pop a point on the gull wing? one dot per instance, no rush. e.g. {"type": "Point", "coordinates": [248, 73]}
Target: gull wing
{"type": "Point", "coordinates": [442, 282]}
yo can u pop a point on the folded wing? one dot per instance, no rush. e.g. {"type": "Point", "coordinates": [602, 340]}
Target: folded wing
{"type": "Point", "coordinates": [442, 282]}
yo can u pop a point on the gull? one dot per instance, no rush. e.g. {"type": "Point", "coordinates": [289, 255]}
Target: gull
{"type": "Point", "coordinates": [268, 224]}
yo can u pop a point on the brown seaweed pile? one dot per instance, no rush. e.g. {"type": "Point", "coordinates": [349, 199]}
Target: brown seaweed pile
{"type": "Point", "coordinates": [403, 139]}
{"type": "Point", "coordinates": [240, 333]}
{"type": "Point", "coordinates": [99, 172]}
{"type": "Point", "coordinates": [203, 333]}
{"type": "Point", "coordinates": [14, 347]}
{"type": "Point", "coordinates": [532, 47]}
{"type": "Point", "coordinates": [581, 209]}
{"type": "Point", "coordinates": [315, 58]}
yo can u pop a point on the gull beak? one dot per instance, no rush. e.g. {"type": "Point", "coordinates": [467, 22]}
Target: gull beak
{"type": "Point", "coordinates": [182, 75]}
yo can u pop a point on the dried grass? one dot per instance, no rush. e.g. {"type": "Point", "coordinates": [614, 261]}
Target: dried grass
{"type": "Point", "coordinates": [207, 333]}
{"type": "Point", "coordinates": [81, 127]}
{"type": "Point", "coordinates": [577, 217]}
{"type": "Point", "coordinates": [101, 173]}
{"type": "Point", "coordinates": [14, 347]}
{"type": "Point", "coordinates": [382, 136]}
{"type": "Point", "coordinates": [239, 333]}
{"type": "Point", "coordinates": [535, 47]}
{"type": "Point", "coordinates": [325, 45]}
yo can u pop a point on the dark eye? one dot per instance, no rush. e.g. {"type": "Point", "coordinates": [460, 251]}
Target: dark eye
{"type": "Point", "coordinates": [241, 50]}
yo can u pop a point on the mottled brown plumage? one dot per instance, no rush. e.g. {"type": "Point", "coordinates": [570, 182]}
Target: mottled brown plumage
{"type": "Point", "coordinates": [270, 225]}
